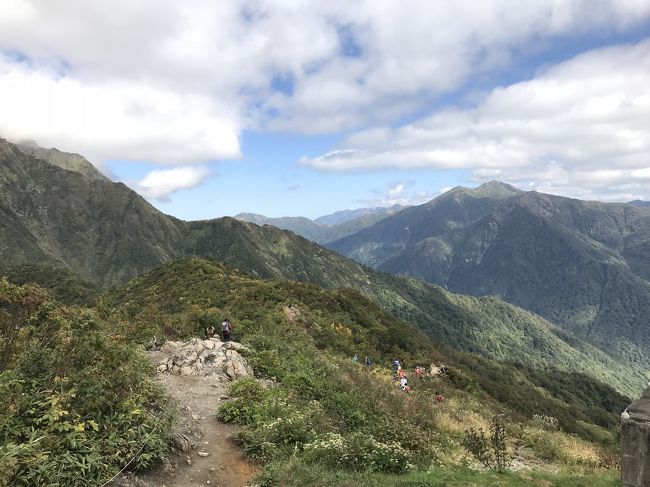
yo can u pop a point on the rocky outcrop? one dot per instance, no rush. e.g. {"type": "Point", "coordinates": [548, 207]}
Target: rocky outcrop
{"type": "Point", "coordinates": [205, 357]}
{"type": "Point", "coordinates": [635, 443]}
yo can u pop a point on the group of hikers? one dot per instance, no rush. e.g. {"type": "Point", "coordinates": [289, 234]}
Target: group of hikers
{"type": "Point", "coordinates": [399, 373]}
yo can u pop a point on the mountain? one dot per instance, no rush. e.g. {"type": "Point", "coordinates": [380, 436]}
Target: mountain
{"type": "Point", "coordinates": [347, 222]}
{"type": "Point", "coordinates": [101, 230]}
{"type": "Point", "coordinates": [343, 216]}
{"type": "Point", "coordinates": [108, 234]}
{"type": "Point", "coordinates": [297, 224]}
{"type": "Point", "coordinates": [639, 203]}
{"type": "Point", "coordinates": [65, 160]}
{"type": "Point", "coordinates": [583, 265]}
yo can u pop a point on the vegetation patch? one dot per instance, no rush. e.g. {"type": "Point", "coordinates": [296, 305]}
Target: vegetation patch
{"type": "Point", "coordinates": [76, 403]}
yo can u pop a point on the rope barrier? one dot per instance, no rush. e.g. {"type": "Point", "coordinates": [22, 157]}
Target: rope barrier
{"type": "Point", "coordinates": [125, 467]}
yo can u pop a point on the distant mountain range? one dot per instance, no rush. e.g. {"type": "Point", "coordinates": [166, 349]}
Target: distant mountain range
{"type": "Point", "coordinates": [325, 228]}
{"type": "Point", "coordinates": [343, 216]}
{"type": "Point", "coordinates": [639, 203]}
{"type": "Point", "coordinates": [107, 234]}
{"type": "Point", "coordinates": [583, 265]}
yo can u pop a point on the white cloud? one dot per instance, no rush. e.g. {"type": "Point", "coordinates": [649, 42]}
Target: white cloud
{"type": "Point", "coordinates": [398, 193]}
{"type": "Point", "coordinates": [161, 183]}
{"type": "Point", "coordinates": [113, 119]}
{"type": "Point", "coordinates": [579, 128]}
{"type": "Point", "coordinates": [177, 82]}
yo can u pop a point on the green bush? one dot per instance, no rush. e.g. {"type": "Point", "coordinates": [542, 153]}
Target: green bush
{"type": "Point", "coordinates": [76, 403]}
{"type": "Point", "coordinates": [237, 411]}
{"type": "Point", "coordinates": [359, 452]}
{"type": "Point", "coordinates": [491, 452]}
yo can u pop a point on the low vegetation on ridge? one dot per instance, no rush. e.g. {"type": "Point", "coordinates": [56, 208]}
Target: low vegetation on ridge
{"type": "Point", "coordinates": [322, 415]}
{"type": "Point", "coordinates": [77, 402]}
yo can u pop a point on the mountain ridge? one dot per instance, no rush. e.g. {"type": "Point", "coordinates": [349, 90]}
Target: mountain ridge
{"type": "Point", "coordinates": [583, 265]}
{"type": "Point", "coordinates": [349, 222]}
{"type": "Point", "coordinates": [109, 234]}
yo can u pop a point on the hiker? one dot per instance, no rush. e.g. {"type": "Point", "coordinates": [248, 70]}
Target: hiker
{"type": "Point", "coordinates": [403, 383]}
{"type": "Point", "coordinates": [396, 365]}
{"type": "Point", "coordinates": [439, 397]}
{"type": "Point", "coordinates": [367, 362]}
{"type": "Point", "coordinates": [154, 344]}
{"type": "Point", "coordinates": [418, 371]}
{"type": "Point", "coordinates": [209, 332]}
{"type": "Point", "coordinates": [355, 359]}
{"type": "Point", "coordinates": [226, 330]}
{"type": "Point", "coordinates": [401, 373]}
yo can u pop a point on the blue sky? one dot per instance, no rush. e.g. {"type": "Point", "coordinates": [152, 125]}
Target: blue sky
{"type": "Point", "coordinates": [268, 180]}
{"type": "Point", "coordinates": [305, 109]}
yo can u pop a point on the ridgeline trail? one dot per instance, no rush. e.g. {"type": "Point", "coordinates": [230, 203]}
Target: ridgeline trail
{"type": "Point", "coordinates": [197, 398]}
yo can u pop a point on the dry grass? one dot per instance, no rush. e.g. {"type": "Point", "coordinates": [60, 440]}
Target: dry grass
{"type": "Point", "coordinates": [452, 419]}
{"type": "Point", "coordinates": [566, 449]}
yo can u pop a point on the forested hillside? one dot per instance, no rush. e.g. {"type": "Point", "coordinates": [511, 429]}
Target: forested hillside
{"type": "Point", "coordinates": [582, 265]}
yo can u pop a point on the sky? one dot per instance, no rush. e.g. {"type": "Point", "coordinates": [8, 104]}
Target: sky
{"type": "Point", "coordinates": [287, 107]}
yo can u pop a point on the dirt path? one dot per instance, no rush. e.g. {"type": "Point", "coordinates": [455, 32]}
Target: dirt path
{"type": "Point", "coordinates": [198, 398]}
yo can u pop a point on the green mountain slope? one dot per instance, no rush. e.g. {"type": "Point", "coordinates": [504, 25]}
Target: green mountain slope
{"type": "Point", "coordinates": [107, 233]}
{"type": "Point", "coordinates": [66, 286]}
{"type": "Point", "coordinates": [64, 160]}
{"type": "Point", "coordinates": [101, 230]}
{"type": "Point", "coordinates": [186, 296]}
{"type": "Point", "coordinates": [582, 265]}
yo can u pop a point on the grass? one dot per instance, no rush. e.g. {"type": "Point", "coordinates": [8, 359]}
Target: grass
{"type": "Point", "coordinates": [299, 474]}
{"type": "Point", "coordinates": [330, 422]}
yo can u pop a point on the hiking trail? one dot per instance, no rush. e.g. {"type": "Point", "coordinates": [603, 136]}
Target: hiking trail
{"type": "Point", "coordinates": [196, 375]}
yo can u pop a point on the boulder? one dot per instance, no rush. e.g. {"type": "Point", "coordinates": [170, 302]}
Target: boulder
{"type": "Point", "coordinates": [206, 357]}
{"type": "Point", "coordinates": [187, 370]}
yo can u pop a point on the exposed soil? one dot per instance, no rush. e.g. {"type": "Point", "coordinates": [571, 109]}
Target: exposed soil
{"type": "Point", "coordinates": [198, 398]}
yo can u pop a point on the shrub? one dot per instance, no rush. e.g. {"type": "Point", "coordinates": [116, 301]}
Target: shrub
{"type": "Point", "coordinates": [358, 452]}
{"type": "Point", "coordinates": [76, 404]}
{"type": "Point", "coordinates": [547, 422]}
{"type": "Point", "coordinates": [491, 452]}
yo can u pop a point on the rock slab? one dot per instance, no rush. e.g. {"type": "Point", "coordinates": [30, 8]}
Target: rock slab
{"type": "Point", "coordinates": [635, 443]}
{"type": "Point", "coordinates": [205, 357]}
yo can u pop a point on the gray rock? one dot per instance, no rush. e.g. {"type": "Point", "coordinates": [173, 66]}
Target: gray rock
{"type": "Point", "coordinates": [635, 443]}
{"type": "Point", "coordinates": [181, 442]}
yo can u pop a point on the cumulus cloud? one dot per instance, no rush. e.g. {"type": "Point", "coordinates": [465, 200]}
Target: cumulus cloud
{"type": "Point", "coordinates": [578, 128]}
{"type": "Point", "coordinates": [161, 183]}
{"type": "Point", "coordinates": [398, 193]}
{"type": "Point", "coordinates": [178, 82]}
